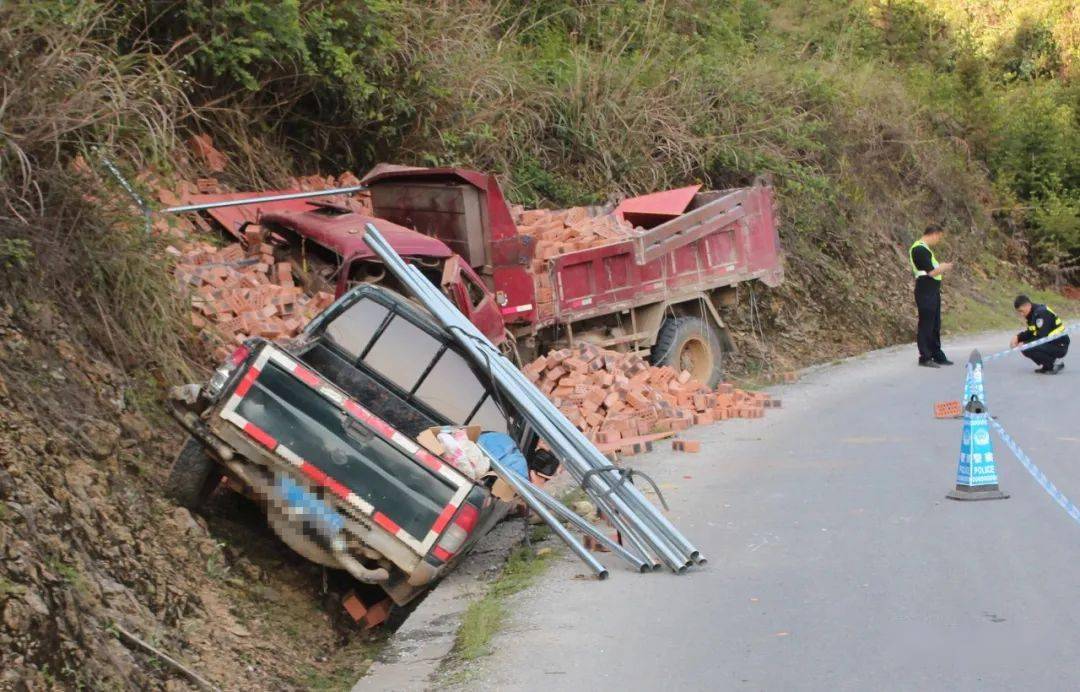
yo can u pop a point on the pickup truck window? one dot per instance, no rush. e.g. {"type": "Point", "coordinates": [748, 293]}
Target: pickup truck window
{"type": "Point", "coordinates": [451, 388]}
{"type": "Point", "coordinates": [422, 366]}
{"type": "Point", "coordinates": [489, 417]}
{"type": "Point", "coordinates": [353, 329]}
{"type": "Point", "coordinates": [402, 352]}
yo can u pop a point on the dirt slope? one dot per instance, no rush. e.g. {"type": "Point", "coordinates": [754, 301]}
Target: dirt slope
{"type": "Point", "coordinates": [89, 547]}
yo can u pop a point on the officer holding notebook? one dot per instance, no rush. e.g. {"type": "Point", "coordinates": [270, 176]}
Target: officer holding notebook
{"type": "Point", "coordinates": [928, 272]}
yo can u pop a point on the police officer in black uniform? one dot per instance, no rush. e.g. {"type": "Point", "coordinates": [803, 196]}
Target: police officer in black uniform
{"type": "Point", "coordinates": [1042, 322]}
{"type": "Point", "coordinates": [928, 272]}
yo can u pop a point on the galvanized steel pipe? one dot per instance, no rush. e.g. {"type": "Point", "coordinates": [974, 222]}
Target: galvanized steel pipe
{"type": "Point", "coordinates": [580, 455]}
{"type": "Point", "coordinates": [531, 401]}
{"type": "Point", "coordinates": [518, 484]}
{"type": "Point", "coordinates": [269, 198]}
{"type": "Point", "coordinates": [470, 339]}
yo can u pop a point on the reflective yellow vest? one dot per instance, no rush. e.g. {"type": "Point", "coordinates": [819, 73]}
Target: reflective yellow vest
{"type": "Point", "coordinates": [1059, 326]}
{"type": "Point", "coordinates": [911, 258]}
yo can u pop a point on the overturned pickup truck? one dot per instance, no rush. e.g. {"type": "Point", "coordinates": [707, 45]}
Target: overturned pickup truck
{"type": "Point", "coordinates": [322, 431]}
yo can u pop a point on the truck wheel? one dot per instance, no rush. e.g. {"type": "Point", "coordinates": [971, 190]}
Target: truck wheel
{"type": "Point", "coordinates": [194, 475]}
{"type": "Point", "coordinates": [690, 343]}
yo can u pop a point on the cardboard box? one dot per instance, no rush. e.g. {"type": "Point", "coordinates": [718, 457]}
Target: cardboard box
{"type": "Point", "coordinates": [429, 438]}
{"type": "Point", "coordinates": [502, 490]}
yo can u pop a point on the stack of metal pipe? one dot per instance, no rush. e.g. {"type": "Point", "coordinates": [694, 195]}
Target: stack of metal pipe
{"type": "Point", "coordinates": [650, 539]}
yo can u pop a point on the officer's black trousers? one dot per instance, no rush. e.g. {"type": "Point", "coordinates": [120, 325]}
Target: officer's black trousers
{"type": "Point", "coordinates": [928, 301]}
{"type": "Point", "coordinates": [1046, 354]}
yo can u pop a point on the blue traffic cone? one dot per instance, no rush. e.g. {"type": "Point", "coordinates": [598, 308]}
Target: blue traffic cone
{"type": "Point", "coordinates": [973, 384]}
{"type": "Point", "coordinates": [976, 472]}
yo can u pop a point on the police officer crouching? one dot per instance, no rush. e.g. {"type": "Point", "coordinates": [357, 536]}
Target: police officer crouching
{"type": "Point", "coordinates": [1042, 322]}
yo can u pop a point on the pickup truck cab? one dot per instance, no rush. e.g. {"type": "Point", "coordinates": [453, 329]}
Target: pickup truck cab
{"type": "Point", "coordinates": [322, 431]}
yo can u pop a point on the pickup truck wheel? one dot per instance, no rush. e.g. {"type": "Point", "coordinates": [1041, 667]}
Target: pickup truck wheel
{"type": "Point", "coordinates": [690, 343]}
{"type": "Point", "coordinates": [193, 477]}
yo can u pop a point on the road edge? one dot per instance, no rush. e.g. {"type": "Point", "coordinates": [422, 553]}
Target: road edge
{"type": "Point", "coordinates": [418, 648]}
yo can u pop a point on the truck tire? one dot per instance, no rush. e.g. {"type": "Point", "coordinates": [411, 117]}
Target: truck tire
{"type": "Point", "coordinates": [193, 477]}
{"type": "Point", "coordinates": [690, 343]}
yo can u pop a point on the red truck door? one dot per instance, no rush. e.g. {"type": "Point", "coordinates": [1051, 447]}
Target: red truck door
{"type": "Point", "coordinates": [468, 293]}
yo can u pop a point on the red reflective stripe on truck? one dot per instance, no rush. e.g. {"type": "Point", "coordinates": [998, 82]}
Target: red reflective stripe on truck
{"type": "Point", "coordinates": [306, 376]}
{"type": "Point", "coordinates": [245, 382]}
{"type": "Point", "coordinates": [382, 427]}
{"type": "Point", "coordinates": [442, 554]}
{"type": "Point", "coordinates": [429, 459]}
{"type": "Point", "coordinates": [356, 410]}
{"type": "Point", "coordinates": [260, 436]}
{"type": "Point", "coordinates": [337, 488]}
{"type": "Point", "coordinates": [316, 474]}
{"type": "Point", "coordinates": [386, 522]}
{"type": "Point", "coordinates": [360, 413]}
{"type": "Point", "coordinates": [444, 518]}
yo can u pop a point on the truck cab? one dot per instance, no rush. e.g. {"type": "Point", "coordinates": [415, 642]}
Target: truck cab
{"type": "Point", "coordinates": [335, 234]}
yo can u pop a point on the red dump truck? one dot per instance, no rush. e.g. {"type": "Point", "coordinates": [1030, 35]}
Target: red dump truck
{"type": "Point", "coordinates": [655, 292]}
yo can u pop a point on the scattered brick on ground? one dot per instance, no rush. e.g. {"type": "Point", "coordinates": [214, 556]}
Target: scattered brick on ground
{"type": "Point", "coordinates": [240, 290]}
{"type": "Point", "coordinates": [354, 606]}
{"type": "Point", "coordinates": [623, 404]}
{"type": "Point", "coordinates": [377, 614]}
{"type": "Point", "coordinates": [203, 149]}
{"type": "Point", "coordinates": [686, 445]}
{"type": "Point", "coordinates": [947, 409]}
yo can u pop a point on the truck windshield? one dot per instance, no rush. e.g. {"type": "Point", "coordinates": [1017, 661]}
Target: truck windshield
{"type": "Point", "coordinates": [423, 367]}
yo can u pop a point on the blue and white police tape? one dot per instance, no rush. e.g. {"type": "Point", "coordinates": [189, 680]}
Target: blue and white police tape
{"type": "Point", "coordinates": [1030, 344]}
{"type": "Point", "coordinates": [1038, 475]}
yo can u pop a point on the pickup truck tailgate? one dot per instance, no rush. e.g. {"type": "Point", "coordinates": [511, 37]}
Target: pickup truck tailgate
{"type": "Point", "coordinates": [339, 445]}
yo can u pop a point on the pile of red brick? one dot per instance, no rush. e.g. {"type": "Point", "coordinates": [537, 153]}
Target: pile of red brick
{"type": "Point", "coordinates": [359, 202]}
{"type": "Point", "coordinates": [239, 291]}
{"type": "Point", "coordinates": [622, 402]}
{"type": "Point", "coordinates": [558, 231]}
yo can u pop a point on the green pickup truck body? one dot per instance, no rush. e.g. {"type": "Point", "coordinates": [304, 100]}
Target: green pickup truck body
{"type": "Point", "coordinates": [322, 431]}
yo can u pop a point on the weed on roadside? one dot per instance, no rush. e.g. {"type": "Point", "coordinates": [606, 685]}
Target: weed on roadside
{"type": "Point", "coordinates": [484, 618]}
{"type": "Point", "coordinates": [347, 665]}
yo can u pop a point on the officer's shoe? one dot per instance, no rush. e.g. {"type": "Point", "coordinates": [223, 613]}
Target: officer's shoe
{"type": "Point", "coordinates": [1058, 367]}
{"type": "Point", "coordinates": [929, 363]}
{"type": "Point", "coordinates": [943, 361]}
{"type": "Point", "coordinates": [1046, 370]}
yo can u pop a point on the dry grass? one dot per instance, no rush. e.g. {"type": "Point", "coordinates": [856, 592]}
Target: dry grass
{"type": "Point", "coordinates": [65, 94]}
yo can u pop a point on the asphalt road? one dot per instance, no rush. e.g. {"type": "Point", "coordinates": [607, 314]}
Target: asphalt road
{"type": "Point", "coordinates": [835, 560]}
